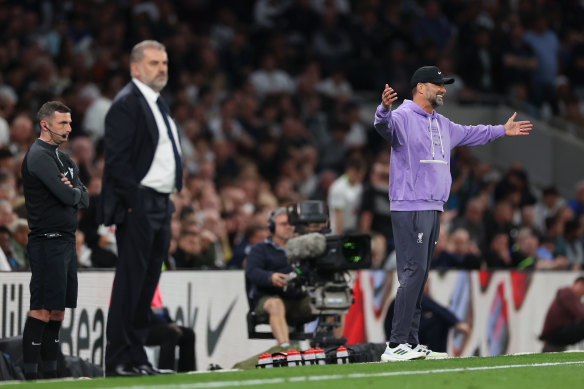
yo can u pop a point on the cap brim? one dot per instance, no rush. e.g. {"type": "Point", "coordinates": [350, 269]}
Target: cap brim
{"type": "Point", "coordinates": [448, 80]}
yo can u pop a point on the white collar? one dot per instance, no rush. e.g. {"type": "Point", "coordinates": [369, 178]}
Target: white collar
{"type": "Point", "coordinates": [149, 93]}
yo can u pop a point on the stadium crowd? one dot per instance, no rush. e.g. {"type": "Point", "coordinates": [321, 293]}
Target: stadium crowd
{"type": "Point", "coordinates": [268, 93]}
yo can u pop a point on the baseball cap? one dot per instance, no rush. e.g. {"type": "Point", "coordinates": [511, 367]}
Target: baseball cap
{"type": "Point", "coordinates": [429, 74]}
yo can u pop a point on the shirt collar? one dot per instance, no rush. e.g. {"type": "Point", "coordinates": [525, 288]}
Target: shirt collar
{"type": "Point", "coordinates": [46, 145]}
{"type": "Point", "coordinates": [149, 93]}
{"type": "Point", "coordinates": [270, 242]}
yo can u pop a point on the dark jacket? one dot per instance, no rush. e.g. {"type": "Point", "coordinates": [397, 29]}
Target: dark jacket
{"type": "Point", "coordinates": [50, 204]}
{"type": "Point", "coordinates": [264, 259]}
{"type": "Point", "coordinates": [131, 137]}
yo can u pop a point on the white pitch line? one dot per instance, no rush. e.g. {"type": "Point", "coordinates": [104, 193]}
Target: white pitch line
{"type": "Point", "coordinates": [272, 381]}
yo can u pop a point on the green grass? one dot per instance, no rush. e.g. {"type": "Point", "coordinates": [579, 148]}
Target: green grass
{"type": "Point", "coordinates": [565, 370]}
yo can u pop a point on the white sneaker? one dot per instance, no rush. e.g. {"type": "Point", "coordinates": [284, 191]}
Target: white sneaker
{"type": "Point", "coordinates": [403, 352]}
{"type": "Point", "coordinates": [429, 353]}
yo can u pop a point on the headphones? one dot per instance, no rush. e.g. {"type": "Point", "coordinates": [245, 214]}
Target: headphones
{"type": "Point", "coordinates": [271, 221]}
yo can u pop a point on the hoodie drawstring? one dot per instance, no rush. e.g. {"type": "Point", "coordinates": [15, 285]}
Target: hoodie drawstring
{"type": "Point", "coordinates": [432, 137]}
{"type": "Point", "coordinates": [440, 135]}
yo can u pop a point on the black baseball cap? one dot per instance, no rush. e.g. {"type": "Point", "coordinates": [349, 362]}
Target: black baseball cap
{"type": "Point", "coordinates": [429, 74]}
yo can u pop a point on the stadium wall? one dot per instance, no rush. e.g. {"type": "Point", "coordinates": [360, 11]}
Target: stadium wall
{"type": "Point", "coordinates": [505, 310]}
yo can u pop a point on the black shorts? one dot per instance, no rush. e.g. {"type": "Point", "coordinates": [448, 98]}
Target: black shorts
{"type": "Point", "coordinates": [53, 263]}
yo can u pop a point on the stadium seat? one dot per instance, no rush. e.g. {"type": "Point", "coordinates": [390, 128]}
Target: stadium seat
{"type": "Point", "coordinates": [258, 326]}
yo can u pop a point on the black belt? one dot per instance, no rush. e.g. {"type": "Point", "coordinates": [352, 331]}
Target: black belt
{"type": "Point", "coordinates": [153, 191]}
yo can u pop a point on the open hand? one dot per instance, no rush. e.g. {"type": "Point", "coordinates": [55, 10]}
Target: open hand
{"type": "Point", "coordinates": [513, 128]}
{"type": "Point", "coordinates": [388, 96]}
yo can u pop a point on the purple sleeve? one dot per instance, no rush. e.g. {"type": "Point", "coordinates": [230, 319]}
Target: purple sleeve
{"type": "Point", "coordinates": [474, 135]}
{"type": "Point", "coordinates": [382, 123]}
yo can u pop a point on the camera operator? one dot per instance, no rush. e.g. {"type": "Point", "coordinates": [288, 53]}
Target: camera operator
{"type": "Point", "coordinates": [266, 270]}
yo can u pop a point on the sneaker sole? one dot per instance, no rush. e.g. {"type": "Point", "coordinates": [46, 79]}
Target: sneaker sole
{"type": "Point", "coordinates": [385, 358]}
{"type": "Point", "coordinates": [437, 357]}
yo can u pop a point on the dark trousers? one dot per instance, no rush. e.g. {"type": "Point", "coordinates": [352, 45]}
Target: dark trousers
{"type": "Point", "coordinates": [567, 335]}
{"type": "Point", "coordinates": [168, 336]}
{"type": "Point", "coordinates": [143, 239]}
{"type": "Point", "coordinates": [415, 234]}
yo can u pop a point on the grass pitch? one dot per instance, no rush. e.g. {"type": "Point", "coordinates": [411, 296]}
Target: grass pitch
{"type": "Point", "coordinates": [516, 371]}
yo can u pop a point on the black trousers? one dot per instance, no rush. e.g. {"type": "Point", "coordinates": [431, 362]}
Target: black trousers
{"type": "Point", "coordinates": [143, 239]}
{"type": "Point", "coordinates": [415, 234]}
{"type": "Point", "coordinates": [567, 335]}
{"type": "Point", "coordinates": [168, 336]}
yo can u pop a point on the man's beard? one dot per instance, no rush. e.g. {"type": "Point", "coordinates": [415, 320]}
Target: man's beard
{"type": "Point", "coordinates": [436, 102]}
{"type": "Point", "coordinates": [158, 84]}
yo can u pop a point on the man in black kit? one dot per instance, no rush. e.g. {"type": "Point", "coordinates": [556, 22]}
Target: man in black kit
{"type": "Point", "coordinates": [142, 167]}
{"type": "Point", "coordinates": [53, 194]}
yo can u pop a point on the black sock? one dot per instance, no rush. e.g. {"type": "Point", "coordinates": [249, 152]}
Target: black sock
{"type": "Point", "coordinates": [31, 346]}
{"type": "Point", "coordinates": [393, 345]}
{"type": "Point", "coordinates": [413, 346]}
{"type": "Point", "coordinates": [50, 349]}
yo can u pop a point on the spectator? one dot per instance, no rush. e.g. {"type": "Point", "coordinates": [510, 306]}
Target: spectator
{"type": "Point", "coordinates": [577, 203]}
{"type": "Point", "coordinates": [547, 206]}
{"type": "Point", "coordinates": [164, 332]}
{"type": "Point", "coordinates": [269, 79]}
{"type": "Point", "coordinates": [21, 134]}
{"type": "Point", "coordinates": [573, 241]}
{"type": "Point", "coordinates": [463, 253]}
{"type": "Point", "coordinates": [335, 85]}
{"type": "Point", "coordinates": [501, 220]}
{"type": "Point", "coordinates": [481, 60]}
{"type": "Point", "coordinates": [7, 249]}
{"type": "Point", "coordinates": [19, 230]}
{"type": "Point", "coordinates": [518, 59]}
{"type": "Point", "coordinates": [254, 233]}
{"type": "Point", "coordinates": [433, 26]}
{"type": "Point", "coordinates": [331, 43]}
{"type": "Point", "coordinates": [524, 254]}
{"type": "Point", "coordinates": [527, 215]}
{"type": "Point", "coordinates": [97, 107]}
{"type": "Point", "coordinates": [374, 209]}
{"type": "Point", "coordinates": [195, 248]}
{"type": "Point", "coordinates": [472, 222]}
{"type": "Point", "coordinates": [546, 257]}
{"type": "Point", "coordinates": [335, 152]}
{"type": "Point", "coordinates": [357, 135]}
{"type": "Point", "coordinates": [4, 263]}
{"type": "Point", "coordinates": [564, 321]}
{"type": "Point", "coordinates": [344, 198]}
{"type": "Point", "coordinates": [498, 255]}
{"type": "Point", "coordinates": [83, 252]}
{"type": "Point", "coordinates": [546, 46]}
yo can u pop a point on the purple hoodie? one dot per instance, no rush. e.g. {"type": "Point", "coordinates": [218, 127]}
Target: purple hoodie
{"type": "Point", "coordinates": [419, 178]}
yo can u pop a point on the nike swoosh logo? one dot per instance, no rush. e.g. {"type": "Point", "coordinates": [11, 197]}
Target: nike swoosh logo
{"type": "Point", "coordinates": [36, 344]}
{"type": "Point", "coordinates": [213, 334]}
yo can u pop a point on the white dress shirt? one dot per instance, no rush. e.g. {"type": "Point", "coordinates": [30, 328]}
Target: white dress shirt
{"type": "Point", "coordinates": [161, 175]}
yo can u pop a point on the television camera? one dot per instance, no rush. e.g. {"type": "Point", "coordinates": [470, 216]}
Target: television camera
{"type": "Point", "coordinates": [321, 262]}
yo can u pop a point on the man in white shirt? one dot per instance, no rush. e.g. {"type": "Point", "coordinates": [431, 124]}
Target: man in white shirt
{"type": "Point", "coordinates": [142, 167]}
{"type": "Point", "coordinates": [344, 197]}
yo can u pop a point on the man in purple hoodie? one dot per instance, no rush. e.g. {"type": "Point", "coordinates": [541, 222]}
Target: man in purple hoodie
{"type": "Point", "coordinates": [419, 185]}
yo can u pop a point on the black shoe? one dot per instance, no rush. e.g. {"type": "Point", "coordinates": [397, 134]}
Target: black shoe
{"type": "Point", "coordinates": [124, 370]}
{"type": "Point", "coordinates": [148, 369]}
